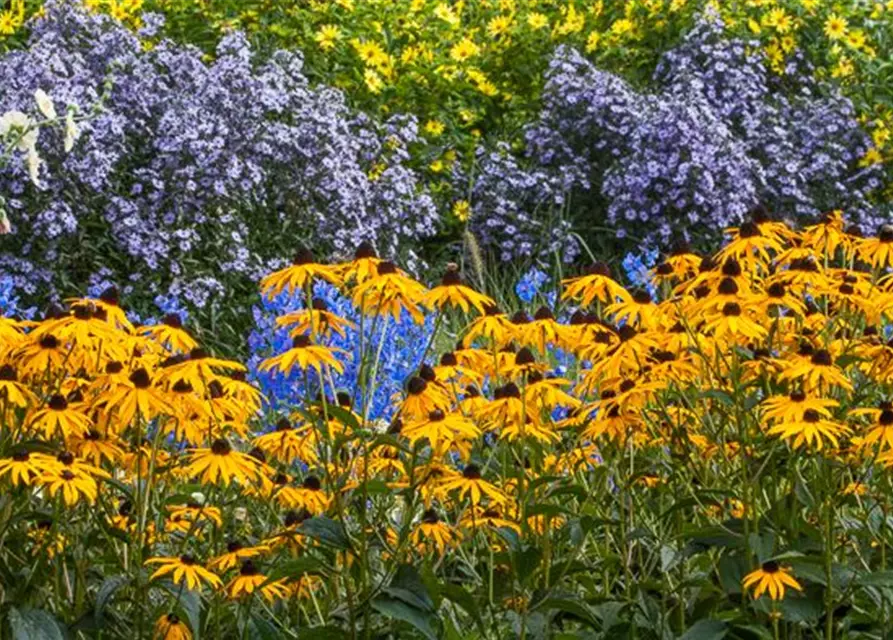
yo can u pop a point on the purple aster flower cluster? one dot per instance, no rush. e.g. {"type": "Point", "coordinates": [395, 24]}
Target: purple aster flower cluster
{"type": "Point", "coordinates": [714, 135]}
{"type": "Point", "coordinates": [518, 211]}
{"type": "Point", "coordinates": [195, 174]}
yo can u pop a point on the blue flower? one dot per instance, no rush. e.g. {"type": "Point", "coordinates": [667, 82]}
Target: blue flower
{"type": "Point", "coordinates": [9, 301]}
{"type": "Point", "coordinates": [637, 266]}
{"type": "Point", "coordinates": [391, 352]}
{"type": "Point", "coordinates": [529, 285]}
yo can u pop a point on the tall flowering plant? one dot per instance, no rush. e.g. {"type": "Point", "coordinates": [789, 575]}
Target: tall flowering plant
{"type": "Point", "coordinates": [714, 135]}
{"type": "Point", "coordinates": [194, 170]}
{"type": "Point", "coordinates": [709, 452]}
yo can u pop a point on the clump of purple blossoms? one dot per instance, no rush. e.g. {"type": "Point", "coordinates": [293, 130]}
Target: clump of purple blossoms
{"type": "Point", "coordinates": [195, 174]}
{"type": "Point", "coordinates": [714, 135]}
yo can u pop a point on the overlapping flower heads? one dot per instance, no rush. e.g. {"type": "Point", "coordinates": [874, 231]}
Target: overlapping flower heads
{"type": "Point", "coordinates": [189, 159]}
{"type": "Point", "coordinates": [746, 374]}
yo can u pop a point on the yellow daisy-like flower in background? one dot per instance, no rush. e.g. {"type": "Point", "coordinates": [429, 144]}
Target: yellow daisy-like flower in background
{"type": "Point", "coordinates": [373, 81]}
{"type": "Point", "coordinates": [22, 468]}
{"type": "Point", "coordinates": [434, 128]}
{"type": "Point", "coordinates": [13, 391]}
{"type": "Point", "coordinates": [236, 553]}
{"type": "Point", "coordinates": [499, 26]}
{"type": "Point", "coordinates": [878, 251]}
{"type": "Point", "coordinates": [536, 20]}
{"type": "Point", "coordinates": [171, 334]}
{"type": "Point", "coordinates": [184, 569]}
{"type": "Point", "coordinates": [812, 429]}
{"type": "Point", "coordinates": [472, 484]}
{"type": "Point", "coordinates": [770, 578]}
{"type": "Point", "coordinates": [836, 27]}
{"type": "Point", "coordinates": [462, 210]}
{"type": "Point", "coordinates": [464, 50]}
{"type": "Point", "coordinates": [304, 355]}
{"type": "Point", "coordinates": [433, 533]}
{"type": "Point", "coordinates": [70, 485]}
{"type": "Point", "coordinates": [328, 36]}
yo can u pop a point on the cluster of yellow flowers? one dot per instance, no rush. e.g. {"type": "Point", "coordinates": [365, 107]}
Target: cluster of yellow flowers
{"type": "Point", "coordinates": [776, 345]}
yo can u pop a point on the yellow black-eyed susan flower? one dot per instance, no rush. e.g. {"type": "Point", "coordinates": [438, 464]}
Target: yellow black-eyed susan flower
{"type": "Point", "coordinates": [770, 578]}
{"type": "Point", "coordinates": [170, 627]}
{"type": "Point", "coordinates": [472, 485]}
{"type": "Point", "coordinates": [221, 463]}
{"type": "Point", "coordinates": [451, 292]}
{"type": "Point", "coordinates": [250, 580]}
{"type": "Point", "coordinates": [433, 533]}
{"type": "Point", "coordinates": [184, 569]}
{"type": "Point", "coordinates": [295, 277]}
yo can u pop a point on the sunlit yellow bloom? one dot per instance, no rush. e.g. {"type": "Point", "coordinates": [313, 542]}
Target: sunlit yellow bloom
{"type": "Point", "coordinates": [328, 36]}
{"type": "Point", "coordinates": [300, 274]}
{"type": "Point", "coordinates": [304, 355]}
{"type": "Point", "coordinates": [537, 20]}
{"type": "Point", "coordinates": [464, 49]}
{"type": "Point", "coordinates": [433, 533]}
{"type": "Point", "coordinates": [221, 462]}
{"type": "Point", "coordinates": [471, 484]}
{"type": "Point", "coordinates": [452, 292]}
{"type": "Point", "coordinates": [184, 569]}
{"type": "Point", "coordinates": [250, 580]}
{"type": "Point", "coordinates": [772, 579]}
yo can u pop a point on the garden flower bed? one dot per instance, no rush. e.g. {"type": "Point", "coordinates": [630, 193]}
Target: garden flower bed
{"type": "Point", "coordinates": [420, 319]}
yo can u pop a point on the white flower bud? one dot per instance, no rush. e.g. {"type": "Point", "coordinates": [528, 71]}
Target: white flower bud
{"type": "Point", "coordinates": [33, 161]}
{"type": "Point", "coordinates": [72, 133]}
{"type": "Point", "coordinates": [45, 104]}
{"type": "Point", "coordinates": [199, 497]}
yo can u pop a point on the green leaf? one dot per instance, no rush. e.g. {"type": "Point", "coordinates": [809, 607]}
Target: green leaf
{"type": "Point", "coordinates": [342, 415]}
{"type": "Point", "coordinates": [262, 629]}
{"type": "Point", "coordinates": [749, 631]}
{"type": "Point", "coordinates": [706, 630]}
{"type": "Point", "coordinates": [459, 596]}
{"type": "Point", "coordinates": [326, 531]}
{"type": "Point", "coordinates": [407, 585]}
{"type": "Point", "coordinates": [33, 624]}
{"type": "Point", "coordinates": [717, 394]}
{"type": "Point", "coordinates": [108, 588]}
{"type": "Point", "coordinates": [297, 568]}
{"type": "Point", "coordinates": [526, 562]}
{"type": "Point", "coordinates": [374, 487]}
{"type": "Point", "coordinates": [400, 610]}
{"type": "Point", "coordinates": [876, 579]}
{"type": "Point", "coordinates": [574, 607]}
{"type": "Point", "coordinates": [323, 633]}
{"type": "Point", "coordinates": [802, 609]}
{"type": "Point", "coordinates": [810, 568]}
